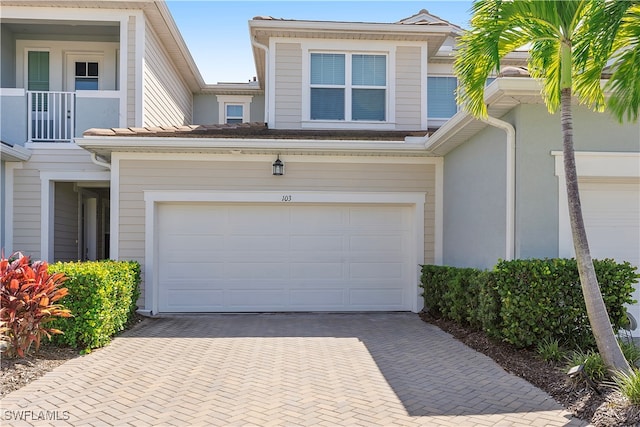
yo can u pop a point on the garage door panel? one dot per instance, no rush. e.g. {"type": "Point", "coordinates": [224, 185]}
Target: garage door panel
{"type": "Point", "coordinates": [258, 298]}
{"type": "Point", "coordinates": [318, 243]}
{"type": "Point", "coordinates": [310, 299]}
{"type": "Point", "coordinates": [371, 297]}
{"type": "Point", "coordinates": [316, 271]}
{"type": "Point", "coordinates": [202, 298]}
{"type": "Point", "coordinates": [262, 271]}
{"type": "Point", "coordinates": [284, 257]}
{"type": "Point", "coordinates": [185, 271]}
{"type": "Point", "coordinates": [376, 270]}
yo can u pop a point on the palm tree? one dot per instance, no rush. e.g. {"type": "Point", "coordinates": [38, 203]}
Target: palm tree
{"type": "Point", "coordinates": [570, 43]}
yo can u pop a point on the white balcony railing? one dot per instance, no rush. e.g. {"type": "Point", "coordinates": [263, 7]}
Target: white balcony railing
{"type": "Point", "coordinates": [51, 116]}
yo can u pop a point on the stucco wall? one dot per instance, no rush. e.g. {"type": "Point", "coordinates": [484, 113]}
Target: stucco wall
{"type": "Point", "coordinates": [538, 134]}
{"type": "Point", "coordinates": [474, 201]}
{"type": "Point", "coordinates": [7, 58]}
{"type": "Point", "coordinates": [13, 118]}
{"type": "Point", "coordinates": [96, 113]}
{"type": "Point", "coordinates": [206, 109]}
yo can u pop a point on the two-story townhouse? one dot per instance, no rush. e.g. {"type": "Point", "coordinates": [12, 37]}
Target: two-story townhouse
{"type": "Point", "coordinates": [69, 66]}
{"type": "Point", "coordinates": [352, 166]}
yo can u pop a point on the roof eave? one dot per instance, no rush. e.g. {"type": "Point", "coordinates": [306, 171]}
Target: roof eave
{"type": "Point", "coordinates": [14, 153]}
{"type": "Point", "coordinates": [501, 96]}
{"type": "Point", "coordinates": [104, 146]}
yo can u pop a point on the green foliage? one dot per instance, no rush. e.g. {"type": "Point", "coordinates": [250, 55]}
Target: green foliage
{"type": "Point", "coordinates": [527, 302]}
{"type": "Point", "coordinates": [102, 297]}
{"type": "Point", "coordinates": [28, 296]}
{"type": "Point", "coordinates": [629, 385]}
{"type": "Point", "coordinates": [550, 350]}
{"type": "Point", "coordinates": [631, 351]}
{"type": "Point", "coordinates": [542, 299]}
{"type": "Point", "coordinates": [594, 366]}
{"type": "Point", "coordinates": [452, 293]}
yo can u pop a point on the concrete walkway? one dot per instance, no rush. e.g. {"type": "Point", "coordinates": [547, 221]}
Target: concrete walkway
{"type": "Point", "coordinates": [388, 369]}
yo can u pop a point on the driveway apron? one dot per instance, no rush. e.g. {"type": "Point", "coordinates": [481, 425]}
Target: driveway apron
{"type": "Point", "coordinates": [385, 369]}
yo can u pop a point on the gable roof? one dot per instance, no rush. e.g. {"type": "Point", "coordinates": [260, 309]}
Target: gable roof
{"type": "Point", "coordinates": [420, 27]}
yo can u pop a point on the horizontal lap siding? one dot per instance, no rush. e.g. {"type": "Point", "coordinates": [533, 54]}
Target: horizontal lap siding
{"type": "Point", "coordinates": [167, 98]}
{"type": "Point", "coordinates": [408, 88]}
{"type": "Point", "coordinates": [288, 87]}
{"type": "Point", "coordinates": [27, 197]}
{"type": "Point", "coordinates": [137, 176]}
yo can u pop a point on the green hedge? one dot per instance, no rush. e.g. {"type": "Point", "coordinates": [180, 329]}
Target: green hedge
{"type": "Point", "coordinates": [526, 301]}
{"type": "Point", "coordinates": [102, 298]}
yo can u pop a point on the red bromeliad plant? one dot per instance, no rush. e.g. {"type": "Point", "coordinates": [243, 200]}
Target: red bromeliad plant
{"type": "Point", "coordinates": [27, 295]}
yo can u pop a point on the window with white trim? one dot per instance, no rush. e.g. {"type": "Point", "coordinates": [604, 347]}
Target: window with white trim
{"type": "Point", "coordinates": [234, 108]}
{"type": "Point", "coordinates": [348, 87]}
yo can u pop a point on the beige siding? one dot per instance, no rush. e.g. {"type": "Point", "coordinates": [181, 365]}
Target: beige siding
{"type": "Point", "coordinates": [131, 71]}
{"type": "Point", "coordinates": [27, 197]}
{"type": "Point", "coordinates": [136, 176]}
{"type": "Point", "coordinates": [65, 230]}
{"type": "Point", "coordinates": [167, 98]}
{"type": "Point", "coordinates": [408, 88]}
{"type": "Point", "coordinates": [288, 87]}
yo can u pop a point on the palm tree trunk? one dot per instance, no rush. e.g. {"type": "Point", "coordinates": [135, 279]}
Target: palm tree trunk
{"type": "Point", "coordinates": [596, 310]}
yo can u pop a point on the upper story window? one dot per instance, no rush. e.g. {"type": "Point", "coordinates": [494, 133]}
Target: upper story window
{"type": "Point", "coordinates": [86, 77]}
{"type": "Point", "coordinates": [234, 108]}
{"type": "Point", "coordinates": [441, 97]}
{"type": "Point", "coordinates": [234, 113]}
{"type": "Point", "coordinates": [348, 87]}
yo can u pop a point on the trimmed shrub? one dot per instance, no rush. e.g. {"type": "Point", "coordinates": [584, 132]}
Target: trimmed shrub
{"type": "Point", "coordinates": [102, 297]}
{"type": "Point", "coordinates": [28, 301]}
{"type": "Point", "coordinates": [527, 302]}
{"type": "Point", "coordinates": [541, 299]}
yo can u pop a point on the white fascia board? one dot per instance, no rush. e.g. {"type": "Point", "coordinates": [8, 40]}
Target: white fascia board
{"type": "Point", "coordinates": [349, 27]}
{"type": "Point", "coordinates": [16, 153]}
{"type": "Point", "coordinates": [170, 143]}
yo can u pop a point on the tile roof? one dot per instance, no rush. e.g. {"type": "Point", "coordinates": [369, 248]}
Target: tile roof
{"type": "Point", "coordinates": [254, 130]}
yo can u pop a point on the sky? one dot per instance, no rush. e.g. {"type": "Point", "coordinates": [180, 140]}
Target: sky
{"type": "Point", "coordinates": [217, 32]}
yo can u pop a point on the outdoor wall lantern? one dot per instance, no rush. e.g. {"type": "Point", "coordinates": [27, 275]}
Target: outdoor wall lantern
{"type": "Point", "coordinates": [278, 167]}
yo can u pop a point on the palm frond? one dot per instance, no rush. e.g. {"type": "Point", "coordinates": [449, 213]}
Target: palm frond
{"type": "Point", "coordinates": [624, 82]}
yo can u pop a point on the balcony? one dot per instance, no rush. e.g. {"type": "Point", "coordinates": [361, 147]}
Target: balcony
{"type": "Point", "coordinates": [55, 117]}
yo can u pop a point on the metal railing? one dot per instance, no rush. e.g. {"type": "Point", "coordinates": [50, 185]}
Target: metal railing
{"type": "Point", "coordinates": [51, 116]}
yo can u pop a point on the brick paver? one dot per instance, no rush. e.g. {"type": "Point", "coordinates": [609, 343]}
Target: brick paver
{"type": "Point", "coordinates": [387, 369]}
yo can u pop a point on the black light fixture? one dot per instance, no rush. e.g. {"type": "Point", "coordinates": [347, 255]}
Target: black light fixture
{"type": "Point", "coordinates": [278, 167]}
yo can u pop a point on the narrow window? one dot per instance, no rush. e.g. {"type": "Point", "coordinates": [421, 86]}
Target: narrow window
{"type": "Point", "coordinates": [234, 113]}
{"type": "Point", "coordinates": [327, 86]}
{"type": "Point", "coordinates": [86, 77]}
{"type": "Point", "coordinates": [441, 97]}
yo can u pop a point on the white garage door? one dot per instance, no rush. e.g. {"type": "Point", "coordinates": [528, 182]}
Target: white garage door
{"type": "Point", "coordinates": [612, 219]}
{"type": "Point", "coordinates": [215, 257]}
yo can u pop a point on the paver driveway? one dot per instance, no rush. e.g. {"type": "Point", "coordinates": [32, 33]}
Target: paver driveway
{"type": "Point", "coordinates": [383, 369]}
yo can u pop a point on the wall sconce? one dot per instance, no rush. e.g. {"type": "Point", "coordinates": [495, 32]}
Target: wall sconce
{"type": "Point", "coordinates": [278, 167]}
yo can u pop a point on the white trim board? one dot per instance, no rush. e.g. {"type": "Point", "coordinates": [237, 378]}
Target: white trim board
{"type": "Point", "coordinates": [153, 198]}
{"type": "Point", "coordinates": [47, 181]}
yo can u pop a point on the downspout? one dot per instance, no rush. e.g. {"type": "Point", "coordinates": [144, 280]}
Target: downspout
{"type": "Point", "coordinates": [94, 159]}
{"type": "Point", "coordinates": [510, 247]}
{"type": "Point", "coordinates": [255, 43]}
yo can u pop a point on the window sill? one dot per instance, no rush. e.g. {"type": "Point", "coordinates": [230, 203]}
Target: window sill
{"type": "Point", "coordinates": [340, 124]}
